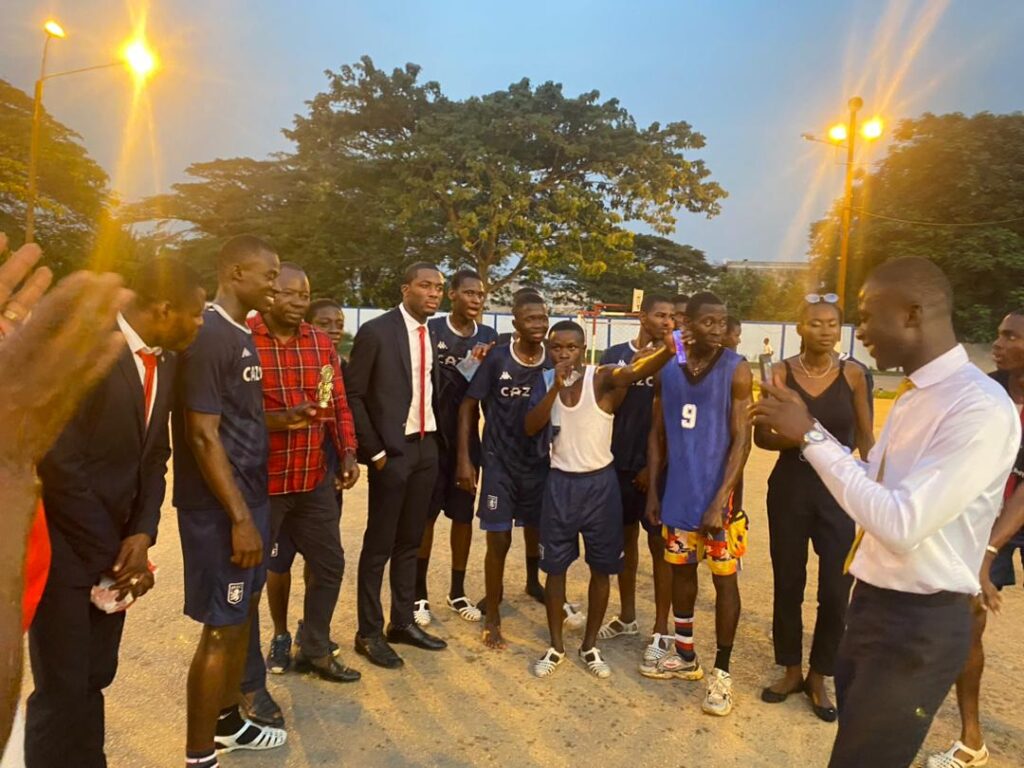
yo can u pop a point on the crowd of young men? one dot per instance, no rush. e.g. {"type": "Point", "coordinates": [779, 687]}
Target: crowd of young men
{"type": "Point", "coordinates": [268, 426]}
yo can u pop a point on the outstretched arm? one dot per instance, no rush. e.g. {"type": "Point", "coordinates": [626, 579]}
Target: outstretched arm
{"type": "Point", "coordinates": [642, 366]}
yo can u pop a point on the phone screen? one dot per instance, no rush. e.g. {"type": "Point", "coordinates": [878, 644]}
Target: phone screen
{"type": "Point", "coordinates": [766, 372]}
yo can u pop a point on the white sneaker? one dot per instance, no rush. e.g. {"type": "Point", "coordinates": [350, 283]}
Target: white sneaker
{"type": "Point", "coordinates": [718, 700]}
{"type": "Point", "coordinates": [948, 759]}
{"type": "Point", "coordinates": [673, 665]}
{"type": "Point", "coordinates": [658, 649]}
{"type": "Point", "coordinates": [595, 663]}
{"type": "Point", "coordinates": [421, 613]}
{"type": "Point", "coordinates": [575, 619]}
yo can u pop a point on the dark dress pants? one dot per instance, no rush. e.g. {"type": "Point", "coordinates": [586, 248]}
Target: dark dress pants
{"type": "Point", "coordinates": [313, 521]}
{"type": "Point", "coordinates": [897, 661]}
{"type": "Point", "coordinates": [399, 500]}
{"type": "Point", "coordinates": [73, 649]}
{"type": "Point", "coordinates": [801, 511]}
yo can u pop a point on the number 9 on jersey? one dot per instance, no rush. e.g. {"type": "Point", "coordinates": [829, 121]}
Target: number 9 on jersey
{"type": "Point", "coordinates": [689, 419]}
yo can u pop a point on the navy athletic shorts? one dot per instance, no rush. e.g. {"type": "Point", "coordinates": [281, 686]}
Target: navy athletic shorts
{"type": "Point", "coordinates": [634, 502]}
{"type": "Point", "coordinates": [217, 592]}
{"type": "Point", "coordinates": [456, 503]}
{"type": "Point", "coordinates": [507, 498]}
{"type": "Point", "coordinates": [586, 503]}
{"type": "Point", "coordinates": [1001, 572]}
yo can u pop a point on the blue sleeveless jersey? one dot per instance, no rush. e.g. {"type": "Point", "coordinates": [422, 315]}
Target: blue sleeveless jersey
{"type": "Point", "coordinates": [697, 417]}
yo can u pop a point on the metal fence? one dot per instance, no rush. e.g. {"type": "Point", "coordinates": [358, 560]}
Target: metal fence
{"type": "Point", "coordinates": [608, 331]}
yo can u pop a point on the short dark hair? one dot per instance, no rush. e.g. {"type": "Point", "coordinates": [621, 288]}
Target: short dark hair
{"type": "Point", "coordinates": [166, 279]}
{"type": "Point", "coordinates": [318, 304]}
{"type": "Point", "coordinates": [527, 297]}
{"type": "Point", "coordinates": [681, 298]}
{"type": "Point", "coordinates": [732, 323]}
{"type": "Point", "coordinates": [702, 299]}
{"type": "Point", "coordinates": [651, 299]}
{"type": "Point", "coordinates": [525, 289]}
{"type": "Point", "coordinates": [235, 250]}
{"type": "Point", "coordinates": [292, 266]}
{"type": "Point", "coordinates": [465, 273]}
{"type": "Point", "coordinates": [414, 269]}
{"type": "Point", "coordinates": [918, 279]}
{"type": "Point", "coordinates": [568, 325]}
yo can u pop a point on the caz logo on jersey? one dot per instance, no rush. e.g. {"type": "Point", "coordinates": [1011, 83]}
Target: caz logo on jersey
{"type": "Point", "coordinates": [523, 391]}
{"type": "Point", "coordinates": [252, 373]}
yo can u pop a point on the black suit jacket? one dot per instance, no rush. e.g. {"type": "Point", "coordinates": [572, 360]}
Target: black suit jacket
{"type": "Point", "coordinates": [378, 381]}
{"type": "Point", "coordinates": [105, 477]}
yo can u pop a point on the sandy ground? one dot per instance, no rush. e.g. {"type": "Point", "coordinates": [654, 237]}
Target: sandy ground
{"type": "Point", "coordinates": [469, 706]}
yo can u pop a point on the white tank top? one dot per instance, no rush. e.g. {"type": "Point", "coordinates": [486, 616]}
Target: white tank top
{"type": "Point", "coordinates": [583, 434]}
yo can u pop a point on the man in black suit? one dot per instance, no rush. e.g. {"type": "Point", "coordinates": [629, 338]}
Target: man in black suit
{"type": "Point", "coordinates": [103, 485]}
{"type": "Point", "coordinates": [391, 382]}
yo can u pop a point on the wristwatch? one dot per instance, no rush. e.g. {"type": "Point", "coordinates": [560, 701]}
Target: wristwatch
{"type": "Point", "coordinates": [814, 436]}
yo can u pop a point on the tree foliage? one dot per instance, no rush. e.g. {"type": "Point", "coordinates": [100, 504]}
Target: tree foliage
{"type": "Point", "coordinates": [943, 170]}
{"type": "Point", "coordinates": [387, 170]}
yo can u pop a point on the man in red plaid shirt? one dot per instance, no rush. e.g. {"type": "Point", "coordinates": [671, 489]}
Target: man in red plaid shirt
{"type": "Point", "coordinates": [293, 355]}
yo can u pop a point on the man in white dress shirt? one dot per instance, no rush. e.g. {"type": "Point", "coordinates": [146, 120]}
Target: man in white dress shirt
{"type": "Point", "coordinates": [924, 507]}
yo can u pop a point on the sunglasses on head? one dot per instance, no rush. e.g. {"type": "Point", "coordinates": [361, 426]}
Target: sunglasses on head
{"type": "Point", "coordinates": [822, 298]}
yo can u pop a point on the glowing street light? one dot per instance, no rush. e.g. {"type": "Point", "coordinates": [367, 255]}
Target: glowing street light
{"type": "Point", "coordinates": [837, 133]}
{"type": "Point", "coordinates": [872, 129]}
{"type": "Point", "coordinates": [136, 54]}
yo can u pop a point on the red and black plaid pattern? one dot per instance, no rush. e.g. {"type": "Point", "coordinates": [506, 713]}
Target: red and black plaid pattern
{"type": "Point", "coordinates": [291, 373]}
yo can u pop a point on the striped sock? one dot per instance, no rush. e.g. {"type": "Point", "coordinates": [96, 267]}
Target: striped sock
{"type": "Point", "coordinates": [684, 636]}
{"type": "Point", "coordinates": [196, 759]}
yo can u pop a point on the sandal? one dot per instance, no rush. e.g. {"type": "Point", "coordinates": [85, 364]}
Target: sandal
{"type": "Point", "coordinates": [617, 627]}
{"type": "Point", "coordinates": [267, 738]}
{"type": "Point", "coordinates": [548, 663]}
{"type": "Point", "coordinates": [575, 619]}
{"type": "Point", "coordinates": [595, 663]}
{"type": "Point", "coordinates": [658, 649]}
{"type": "Point", "coordinates": [465, 608]}
{"type": "Point", "coordinates": [948, 759]}
{"type": "Point", "coordinates": [421, 613]}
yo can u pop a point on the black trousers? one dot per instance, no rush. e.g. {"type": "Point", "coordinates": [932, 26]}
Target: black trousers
{"type": "Point", "coordinates": [800, 511]}
{"type": "Point", "coordinates": [899, 657]}
{"type": "Point", "coordinates": [399, 499]}
{"type": "Point", "coordinates": [313, 521]}
{"type": "Point", "coordinates": [73, 649]}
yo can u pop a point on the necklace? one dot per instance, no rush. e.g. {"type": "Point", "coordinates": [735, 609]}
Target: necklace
{"type": "Point", "coordinates": [809, 375]}
{"type": "Point", "coordinates": [531, 359]}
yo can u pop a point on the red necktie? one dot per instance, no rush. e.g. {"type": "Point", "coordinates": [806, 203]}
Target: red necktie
{"type": "Point", "coordinates": [149, 361]}
{"type": "Point", "coordinates": [423, 380]}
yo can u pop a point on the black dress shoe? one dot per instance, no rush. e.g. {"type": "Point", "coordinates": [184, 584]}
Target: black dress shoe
{"type": "Point", "coordinates": [261, 708]}
{"type": "Point", "coordinates": [828, 714]}
{"type": "Point", "coordinates": [378, 652]}
{"type": "Point", "coordinates": [414, 635]}
{"type": "Point", "coordinates": [329, 669]}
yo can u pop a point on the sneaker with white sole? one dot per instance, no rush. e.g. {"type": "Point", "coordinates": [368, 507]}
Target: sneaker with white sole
{"type": "Point", "coordinates": [596, 664]}
{"type": "Point", "coordinates": [672, 665]}
{"type": "Point", "coordinates": [948, 759]}
{"type": "Point", "coordinates": [718, 700]}
{"type": "Point", "coordinates": [421, 613]}
{"type": "Point", "coordinates": [616, 627]}
{"type": "Point", "coordinates": [575, 619]}
{"type": "Point", "coordinates": [658, 648]}
{"type": "Point", "coordinates": [546, 665]}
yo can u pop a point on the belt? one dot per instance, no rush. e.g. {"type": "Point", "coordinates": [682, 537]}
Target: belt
{"type": "Point", "coordinates": [415, 437]}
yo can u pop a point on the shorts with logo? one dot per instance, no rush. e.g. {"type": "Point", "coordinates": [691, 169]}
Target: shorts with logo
{"type": "Point", "coordinates": [217, 592]}
{"type": "Point", "coordinates": [722, 550]}
{"type": "Point", "coordinates": [508, 498]}
{"type": "Point", "coordinates": [456, 503]}
{"type": "Point", "coordinates": [634, 501]}
{"type": "Point", "coordinates": [587, 504]}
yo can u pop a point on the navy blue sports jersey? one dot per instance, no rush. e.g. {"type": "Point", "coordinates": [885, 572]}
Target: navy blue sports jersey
{"type": "Point", "coordinates": [506, 387]}
{"type": "Point", "coordinates": [220, 374]}
{"type": "Point", "coordinates": [633, 419]}
{"type": "Point", "coordinates": [449, 349]}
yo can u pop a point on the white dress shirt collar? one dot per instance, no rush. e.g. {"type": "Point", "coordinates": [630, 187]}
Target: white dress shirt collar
{"type": "Point", "coordinates": [410, 322]}
{"type": "Point", "coordinates": [135, 342]}
{"type": "Point", "coordinates": [939, 369]}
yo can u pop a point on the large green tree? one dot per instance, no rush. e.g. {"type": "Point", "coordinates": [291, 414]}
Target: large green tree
{"type": "Point", "coordinates": [72, 188]}
{"type": "Point", "coordinates": [951, 188]}
{"type": "Point", "coordinates": [387, 170]}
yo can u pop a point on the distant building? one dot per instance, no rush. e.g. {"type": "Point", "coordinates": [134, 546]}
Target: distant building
{"type": "Point", "coordinates": [777, 269]}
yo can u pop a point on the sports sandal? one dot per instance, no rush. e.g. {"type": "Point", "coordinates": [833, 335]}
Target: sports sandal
{"type": "Point", "coordinates": [575, 619]}
{"type": "Point", "coordinates": [595, 663]}
{"type": "Point", "coordinates": [421, 613]}
{"type": "Point", "coordinates": [948, 759]}
{"type": "Point", "coordinates": [267, 738]}
{"type": "Point", "coordinates": [546, 664]}
{"type": "Point", "coordinates": [465, 608]}
{"type": "Point", "coordinates": [617, 627]}
{"type": "Point", "coordinates": [658, 649]}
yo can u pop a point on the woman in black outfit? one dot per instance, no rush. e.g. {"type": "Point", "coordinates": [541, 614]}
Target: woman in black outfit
{"type": "Point", "coordinates": [801, 510]}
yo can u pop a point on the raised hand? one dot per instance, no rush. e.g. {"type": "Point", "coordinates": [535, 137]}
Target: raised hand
{"type": "Point", "coordinates": [15, 307]}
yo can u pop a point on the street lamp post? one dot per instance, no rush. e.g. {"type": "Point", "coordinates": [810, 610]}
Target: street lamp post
{"type": "Point", "coordinates": [136, 55]}
{"type": "Point", "coordinates": [844, 234]}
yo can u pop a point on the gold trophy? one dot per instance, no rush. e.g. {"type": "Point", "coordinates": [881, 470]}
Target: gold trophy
{"type": "Point", "coordinates": [325, 389]}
